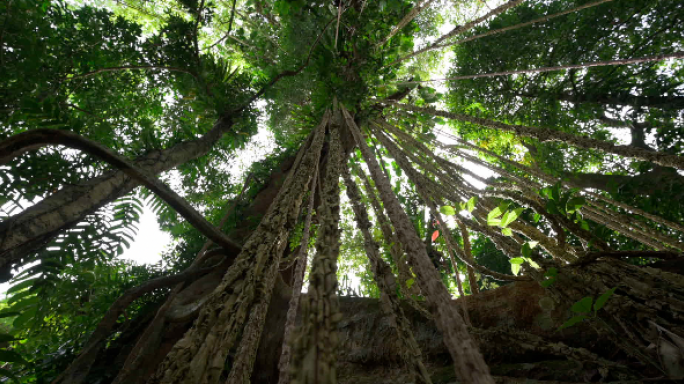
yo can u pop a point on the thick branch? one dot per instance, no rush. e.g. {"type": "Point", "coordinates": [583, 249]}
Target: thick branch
{"type": "Point", "coordinates": [663, 255]}
{"type": "Point", "coordinates": [300, 259]}
{"type": "Point", "coordinates": [34, 227]}
{"type": "Point", "coordinates": [37, 138]}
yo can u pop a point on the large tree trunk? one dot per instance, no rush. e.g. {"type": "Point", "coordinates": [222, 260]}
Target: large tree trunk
{"type": "Point", "coordinates": [515, 327]}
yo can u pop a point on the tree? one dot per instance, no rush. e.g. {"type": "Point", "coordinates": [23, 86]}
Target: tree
{"type": "Point", "coordinates": [522, 190]}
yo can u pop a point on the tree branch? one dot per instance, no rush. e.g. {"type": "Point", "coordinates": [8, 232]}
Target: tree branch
{"type": "Point", "coordinates": [461, 29]}
{"type": "Point", "coordinates": [674, 55]}
{"type": "Point", "coordinates": [415, 11]}
{"type": "Point", "coordinates": [593, 256]}
{"type": "Point", "coordinates": [37, 138]}
{"type": "Point", "coordinates": [547, 134]}
{"type": "Point", "coordinates": [513, 27]}
{"type": "Point", "coordinates": [80, 367]}
{"type": "Point", "coordinates": [288, 73]}
{"type": "Point", "coordinates": [230, 27]}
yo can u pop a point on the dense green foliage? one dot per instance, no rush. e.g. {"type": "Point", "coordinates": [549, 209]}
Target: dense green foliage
{"type": "Point", "coordinates": [140, 77]}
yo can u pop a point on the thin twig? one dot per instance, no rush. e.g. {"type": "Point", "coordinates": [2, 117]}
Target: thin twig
{"type": "Point", "coordinates": [230, 27]}
{"type": "Point", "coordinates": [665, 56]}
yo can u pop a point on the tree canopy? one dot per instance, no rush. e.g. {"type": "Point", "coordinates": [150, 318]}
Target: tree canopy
{"type": "Point", "coordinates": [424, 150]}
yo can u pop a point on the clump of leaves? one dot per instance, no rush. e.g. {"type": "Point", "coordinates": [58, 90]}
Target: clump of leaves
{"type": "Point", "coordinates": [587, 308]}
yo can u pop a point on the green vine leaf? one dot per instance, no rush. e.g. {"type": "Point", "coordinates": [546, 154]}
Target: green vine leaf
{"type": "Point", "coordinates": [572, 321]}
{"type": "Point", "coordinates": [583, 306]}
{"type": "Point", "coordinates": [601, 301]}
{"type": "Point", "coordinates": [470, 204]}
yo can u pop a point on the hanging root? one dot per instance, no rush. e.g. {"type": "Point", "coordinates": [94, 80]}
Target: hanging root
{"type": "Point", "coordinates": [386, 283]}
{"type": "Point", "coordinates": [314, 360]}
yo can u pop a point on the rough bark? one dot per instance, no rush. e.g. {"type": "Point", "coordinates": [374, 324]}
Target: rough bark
{"type": "Point", "coordinates": [645, 297]}
{"type": "Point", "coordinates": [384, 278]}
{"type": "Point", "coordinates": [429, 200]}
{"type": "Point", "coordinates": [468, 362]}
{"type": "Point", "coordinates": [200, 356]}
{"type": "Point", "coordinates": [467, 249]}
{"type": "Point", "coordinates": [315, 355]}
{"type": "Point", "coordinates": [302, 254]}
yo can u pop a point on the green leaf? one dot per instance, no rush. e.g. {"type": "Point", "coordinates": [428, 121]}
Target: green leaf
{"type": "Point", "coordinates": [552, 208]}
{"type": "Point", "coordinates": [493, 222]}
{"type": "Point", "coordinates": [536, 217]}
{"type": "Point", "coordinates": [548, 283]}
{"type": "Point", "coordinates": [506, 232]}
{"type": "Point", "coordinates": [575, 203]}
{"type": "Point", "coordinates": [25, 317]}
{"type": "Point", "coordinates": [551, 272]}
{"type": "Point", "coordinates": [510, 216]}
{"type": "Point", "coordinates": [23, 285]}
{"type": "Point", "coordinates": [516, 263]}
{"type": "Point", "coordinates": [526, 250]}
{"type": "Point", "coordinates": [496, 212]}
{"type": "Point", "coordinates": [8, 373]}
{"type": "Point", "coordinates": [583, 306]}
{"type": "Point", "coordinates": [447, 210]}
{"type": "Point", "coordinates": [601, 301]}
{"type": "Point", "coordinates": [409, 283]}
{"type": "Point", "coordinates": [532, 262]}
{"type": "Point", "coordinates": [555, 192]}
{"type": "Point", "coordinates": [4, 314]}
{"type": "Point", "coordinates": [4, 337]}
{"type": "Point", "coordinates": [572, 321]}
{"type": "Point", "coordinates": [470, 205]}
{"type": "Point", "coordinates": [11, 357]}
